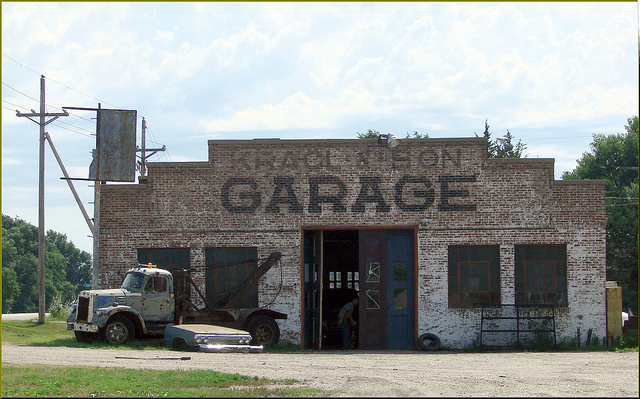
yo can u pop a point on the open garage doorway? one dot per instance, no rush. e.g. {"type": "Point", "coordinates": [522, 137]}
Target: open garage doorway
{"type": "Point", "coordinates": [375, 264]}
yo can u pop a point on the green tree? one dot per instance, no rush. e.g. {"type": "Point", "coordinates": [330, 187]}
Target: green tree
{"type": "Point", "coordinates": [10, 289]}
{"type": "Point", "coordinates": [502, 147]}
{"type": "Point", "coordinates": [614, 158]}
{"type": "Point", "coordinates": [370, 134]}
{"type": "Point", "coordinates": [78, 263]}
{"type": "Point", "coordinates": [19, 257]}
{"type": "Point", "coordinates": [374, 134]}
{"type": "Point", "coordinates": [416, 135]}
{"type": "Point", "coordinates": [66, 267]}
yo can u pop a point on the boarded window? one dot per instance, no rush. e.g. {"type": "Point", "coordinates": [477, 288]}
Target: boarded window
{"type": "Point", "coordinates": [474, 275]}
{"type": "Point", "coordinates": [165, 258]}
{"type": "Point", "coordinates": [226, 268]}
{"type": "Point", "coordinates": [541, 275]}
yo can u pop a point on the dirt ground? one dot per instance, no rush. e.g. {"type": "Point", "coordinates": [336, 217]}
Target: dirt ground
{"type": "Point", "coordinates": [384, 374]}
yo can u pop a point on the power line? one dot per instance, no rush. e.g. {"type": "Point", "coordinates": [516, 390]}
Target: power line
{"type": "Point", "coordinates": [15, 105]}
{"type": "Point", "coordinates": [157, 143]}
{"type": "Point", "coordinates": [68, 87]}
{"type": "Point", "coordinates": [57, 122]}
{"type": "Point", "coordinates": [91, 133]}
{"type": "Point", "coordinates": [22, 65]}
{"type": "Point", "coordinates": [61, 84]}
{"type": "Point", "coordinates": [18, 91]}
{"type": "Point", "coordinates": [48, 105]}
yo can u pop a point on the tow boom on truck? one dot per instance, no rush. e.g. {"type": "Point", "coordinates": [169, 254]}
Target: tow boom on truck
{"type": "Point", "coordinates": [150, 299]}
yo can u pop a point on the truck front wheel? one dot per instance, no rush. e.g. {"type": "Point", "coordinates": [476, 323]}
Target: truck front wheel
{"type": "Point", "coordinates": [119, 330]}
{"type": "Point", "coordinates": [85, 337]}
{"type": "Point", "coordinates": [264, 330]}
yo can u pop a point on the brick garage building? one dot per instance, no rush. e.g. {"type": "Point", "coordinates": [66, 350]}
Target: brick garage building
{"type": "Point", "coordinates": [424, 231]}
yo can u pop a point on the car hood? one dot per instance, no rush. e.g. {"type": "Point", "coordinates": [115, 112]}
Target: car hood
{"type": "Point", "coordinates": [110, 297]}
{"type": "Point", "coordinates": [209, 329]}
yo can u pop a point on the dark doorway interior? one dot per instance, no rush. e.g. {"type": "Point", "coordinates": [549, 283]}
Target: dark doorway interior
{"type": "Point", "coordinates": [340, 282]}
{"type": "Point", "coordinates": [375, 264]}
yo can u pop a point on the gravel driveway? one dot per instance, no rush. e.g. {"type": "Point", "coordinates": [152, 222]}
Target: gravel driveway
{"type": "Point", "coordinates": [384, 374]}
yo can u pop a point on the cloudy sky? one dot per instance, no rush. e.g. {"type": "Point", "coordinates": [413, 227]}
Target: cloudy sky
{"type": "Point", "coordinates": [552, 74]}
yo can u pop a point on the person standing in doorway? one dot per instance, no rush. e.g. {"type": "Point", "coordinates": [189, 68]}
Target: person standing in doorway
{"type": "Point", "coordinates": [346, 321]}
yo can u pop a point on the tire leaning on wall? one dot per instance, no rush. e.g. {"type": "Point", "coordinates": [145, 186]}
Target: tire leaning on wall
{"type": "Point", "coordinates": [429, 342]}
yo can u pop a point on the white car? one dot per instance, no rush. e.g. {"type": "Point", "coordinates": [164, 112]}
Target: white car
{"type": "Point", "coordinates": [208, 338]}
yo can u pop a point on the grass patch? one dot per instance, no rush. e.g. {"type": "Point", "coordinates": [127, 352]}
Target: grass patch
{"type": "Point", "coordinates": [31, 333]}
{"type": "Point", "coordinates": [97, 382]}
{"type": "Point", "coordinates": [55, 333]}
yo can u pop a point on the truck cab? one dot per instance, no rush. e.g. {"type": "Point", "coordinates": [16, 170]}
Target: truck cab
{"type": "Point", "coordinates": [145, 303]}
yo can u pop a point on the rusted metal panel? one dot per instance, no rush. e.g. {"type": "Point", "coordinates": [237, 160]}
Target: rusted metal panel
{"type": "Point", "coordinates": [373, 290]}
{"type": "Point", "coordinates": [114, 158]}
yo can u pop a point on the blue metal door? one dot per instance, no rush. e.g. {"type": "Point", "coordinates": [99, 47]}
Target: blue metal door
{"type": "Point", "coordinates": [400, 289]}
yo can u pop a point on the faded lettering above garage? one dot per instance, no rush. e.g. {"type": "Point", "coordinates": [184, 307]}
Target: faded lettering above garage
{"type": "Point", "coordinates": [412, 158]}
{"type": "Point", "coordinates": [410, 194]}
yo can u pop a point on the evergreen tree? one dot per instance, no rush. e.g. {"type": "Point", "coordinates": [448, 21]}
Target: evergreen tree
{"type": "Point", "coordinates": [502, 147]}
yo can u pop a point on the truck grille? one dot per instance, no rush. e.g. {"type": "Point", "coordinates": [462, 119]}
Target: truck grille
{"type": "Point", "coordinates": [83, 309]}
{"type": "Point", "coordinates": [224, 339]}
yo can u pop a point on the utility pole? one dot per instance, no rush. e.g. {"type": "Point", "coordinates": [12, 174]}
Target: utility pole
{"type": "Point", "coordinates": [143, 163]}
{"type": "Point", "coordinates": [41, 244]}
{"type": "Point", "coordinates": [143, 151]}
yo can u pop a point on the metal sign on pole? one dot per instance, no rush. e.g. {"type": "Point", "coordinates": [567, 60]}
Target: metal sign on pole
{"type": "Point", "coordinates": [41, 233]}
{"type": "Point", "coordinates": [113, 160]}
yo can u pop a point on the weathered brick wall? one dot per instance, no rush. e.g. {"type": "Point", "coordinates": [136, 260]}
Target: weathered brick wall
{"type": "Point", "coordinates": [262, 193]}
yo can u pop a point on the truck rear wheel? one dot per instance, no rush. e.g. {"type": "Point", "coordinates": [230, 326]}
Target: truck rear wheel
{"type": "Point", "coordinates": [264, 330]}
{"type": "Point", "coordinates": [119, 330]}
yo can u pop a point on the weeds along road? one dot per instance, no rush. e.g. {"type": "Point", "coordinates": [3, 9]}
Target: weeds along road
{"type": "Point", "coordinates": [384, 374]}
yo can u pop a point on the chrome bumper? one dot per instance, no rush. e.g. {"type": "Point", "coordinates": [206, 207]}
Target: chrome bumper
{"type": "Point", "coordinates": [230, 348]}
{"type": "Point", "coordinates": [82, 327]}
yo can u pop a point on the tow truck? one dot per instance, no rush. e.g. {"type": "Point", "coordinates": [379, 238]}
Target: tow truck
{"type": "Point", "coordinates": [150, 300]}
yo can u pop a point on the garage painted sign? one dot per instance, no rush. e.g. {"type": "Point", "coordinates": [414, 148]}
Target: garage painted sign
{"type": "Point", "coordinates": [410, 194]}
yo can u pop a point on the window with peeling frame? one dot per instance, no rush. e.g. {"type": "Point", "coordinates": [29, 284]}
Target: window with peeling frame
{"type": "Point", "coordinates": [474, 275]}
{"type": "Point", "coordinates": [541, 274]}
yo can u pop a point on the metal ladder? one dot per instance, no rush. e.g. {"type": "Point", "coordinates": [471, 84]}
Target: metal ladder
{"type": "Point", "coordinates": [518, 319]}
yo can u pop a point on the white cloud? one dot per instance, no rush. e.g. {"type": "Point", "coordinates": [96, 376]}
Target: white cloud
{"type": "Point", "coordinates": [298, 110]}
{"type": "Point", "coordinates": [207, 70]}
{"type": "Point", "coordinates": [9, 161]}
{"type": "Point", "coordinates": [164, 36]}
